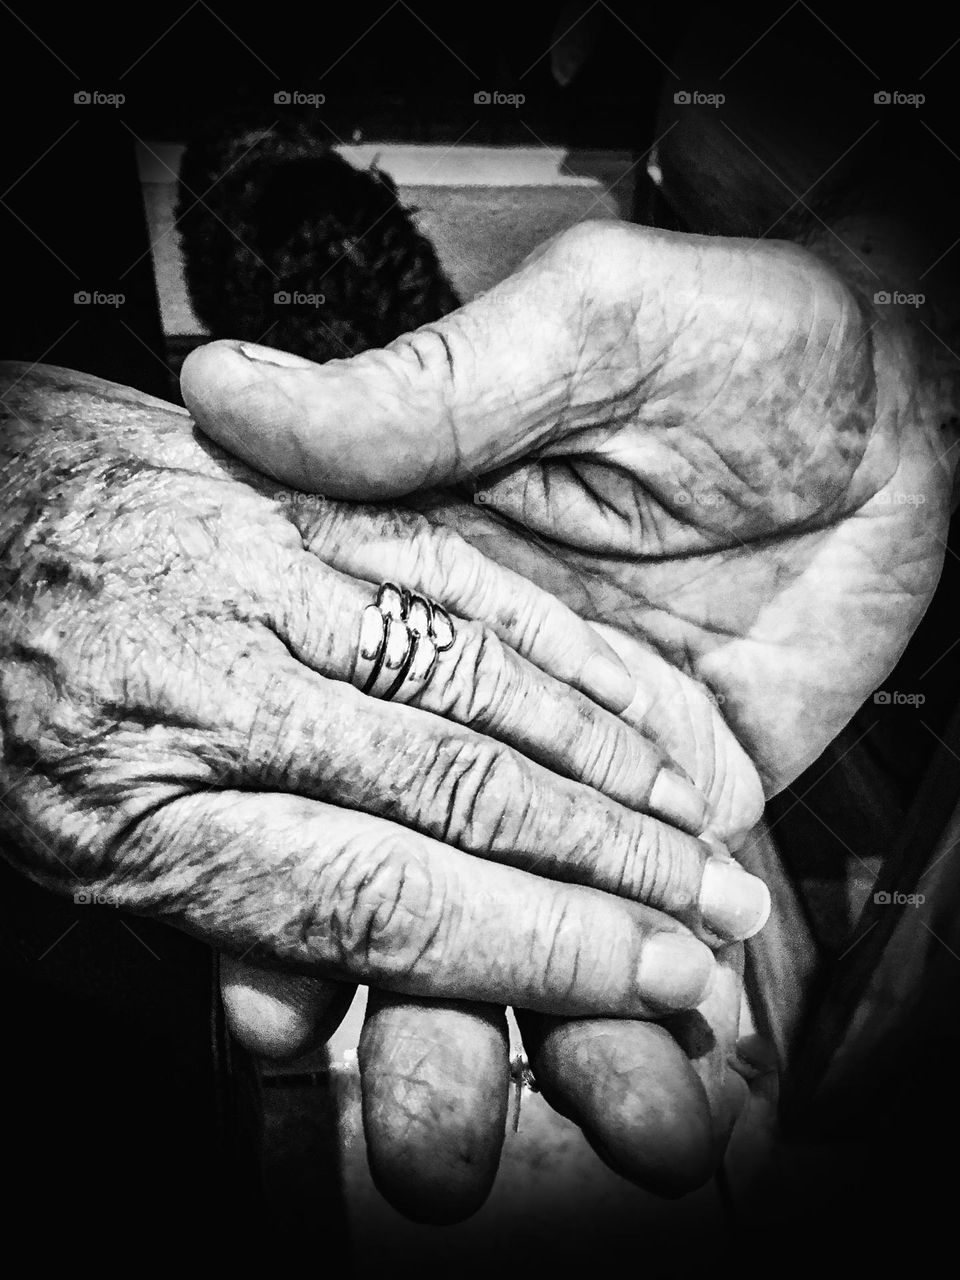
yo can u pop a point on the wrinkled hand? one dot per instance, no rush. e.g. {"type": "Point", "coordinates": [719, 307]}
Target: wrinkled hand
{"type": "Point", "coordinates": [180, 735]}
{"type": "Point", "coordinates": [713, 447]}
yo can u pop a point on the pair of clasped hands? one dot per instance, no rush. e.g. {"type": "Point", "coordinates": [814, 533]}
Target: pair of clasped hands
{"type": "Point", "coordinates": [685, 442]}
{"type": "Point", "coordinates": [652, 477]}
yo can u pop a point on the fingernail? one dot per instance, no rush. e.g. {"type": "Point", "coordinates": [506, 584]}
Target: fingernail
{"type": "Point", "coordinates": [733, 903]}
{"type": "Point", "coordinates": [267, 355]}
{"type": "Point", "coordinates": [608, 681]}
{"type": "Point", "coordinates": [679, 801]}
{"type": "Point", "coordinates": [675, 970]}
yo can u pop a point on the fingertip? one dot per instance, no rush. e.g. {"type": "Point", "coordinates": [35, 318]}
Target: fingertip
{"type": "Point", "coordinates": [677, 800]}
{"type": "Point", "coordinates": [226, 370]}
{"type": "Point", "coordinates": [204, 368]}
{"type": "Point", "coordinates": [734, 904]}
{"type": "Point", "coordinates": [632, 1090]}
{"type": "Point", "coordinates": [264, 408]}
{"type": "Point", "coordinates": [347, 428]}
{"type": "Point", "coordinates": [273, 356]}
{"type": "Point", "coordinates": [267, 1028]}
{"type": "Point", "coordinates": [279, 1016]}
{"type": "Point", "coordinates": [675, 971]}
{"type": "Point", "coordinates": [215, 381]}
{"type": "Point", "coordinates": [606, 679]}
{"type": "Point", "coordinates": [434, 1081]}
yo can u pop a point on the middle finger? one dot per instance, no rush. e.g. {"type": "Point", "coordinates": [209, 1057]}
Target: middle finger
{"type": "Point", "coordinates": [441, 777]}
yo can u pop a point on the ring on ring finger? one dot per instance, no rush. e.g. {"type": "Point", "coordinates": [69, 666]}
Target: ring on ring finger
{"type": "Point", "coordinates": [402, 636]}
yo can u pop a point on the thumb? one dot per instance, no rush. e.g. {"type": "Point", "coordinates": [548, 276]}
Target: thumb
{"type": "Point", "coordinates": [478, 389]}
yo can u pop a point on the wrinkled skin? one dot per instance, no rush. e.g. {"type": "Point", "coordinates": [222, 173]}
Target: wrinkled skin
{"type": "Point", "coordinates": [715, 447]}
{"type": "Point", "coordinates": [770, 501]}
{"type": "Point", "coordinates": [176, 628]}
{"type": "Point", "coordinates": [173, 740]}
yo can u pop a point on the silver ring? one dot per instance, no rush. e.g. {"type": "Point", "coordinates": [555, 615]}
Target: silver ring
{"type": "Point", "coordinates": [402, 634]}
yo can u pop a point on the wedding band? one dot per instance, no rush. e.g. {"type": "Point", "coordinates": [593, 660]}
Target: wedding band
{"type": "Point", "coordinates": [402, 635]}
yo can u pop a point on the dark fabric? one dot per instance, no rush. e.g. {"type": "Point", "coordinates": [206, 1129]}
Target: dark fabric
{"type": "Point", "coordinates": [129, 1121]}
{"type": "Point", "coordinates": [128, 1116]}
{"type": "Point", "coordinates": [130, 1127]}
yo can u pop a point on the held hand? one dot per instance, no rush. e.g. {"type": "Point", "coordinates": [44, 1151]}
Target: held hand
{"type": "Point", "coordinates": [181, 733]}
{"type": "Point", "coordinates": [657, 1104]}
{"type": "Point", "coordinates": [712, 446]}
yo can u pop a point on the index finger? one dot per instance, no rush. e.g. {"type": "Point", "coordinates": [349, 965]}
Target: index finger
{"type": "Point", "coordinates": [633, 1092]}
{"type": "Point", "coordinates": [657, 1101]}
{"type": "Point", "coordinates": [344, 895]}
{"type": "Point", "coordinates": [401, 546]}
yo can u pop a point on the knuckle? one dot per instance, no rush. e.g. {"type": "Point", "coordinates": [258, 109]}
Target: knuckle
{"type": "Point", "coordinates": [642, 870]}
{"type": "Point", "coordinates": [385, 912]}
{"type": "Point", "coordinates": [536, 619]}
{"type": "Point", "coordinates": [599, 743]}
{"type": "Point", "coordinates": [472, 688]}
{"type": "Point", "coordinates": [585, 240]}
{"type": "Point", "coordinates": [603, 256]}
{"type": "Point", "coordinates": [272, 1028]}
{"type": "Point", "coordinates": [481, 677]}
{"type": "Point", "coordinates": [564, 958]}
{"type": "Point", "coordinates": [470, 796]}
{"type": "Point", "coordinates": [460, 568]}
{"type": "Point", "coordinates": [519, 611]}
{"type": "Point", "coordinates": [656, 869]}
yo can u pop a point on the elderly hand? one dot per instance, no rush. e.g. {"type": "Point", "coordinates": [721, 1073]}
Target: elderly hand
{"type": "Point", "coordinates": [714, 448]}
{"type": "Point", "coordinates": [718, 446]}
{"type": "Point", "coordinates": [181, 737]}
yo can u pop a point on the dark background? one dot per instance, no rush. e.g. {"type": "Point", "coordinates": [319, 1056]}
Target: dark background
{"type": "Point", "coordinates": [125, 1108]}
